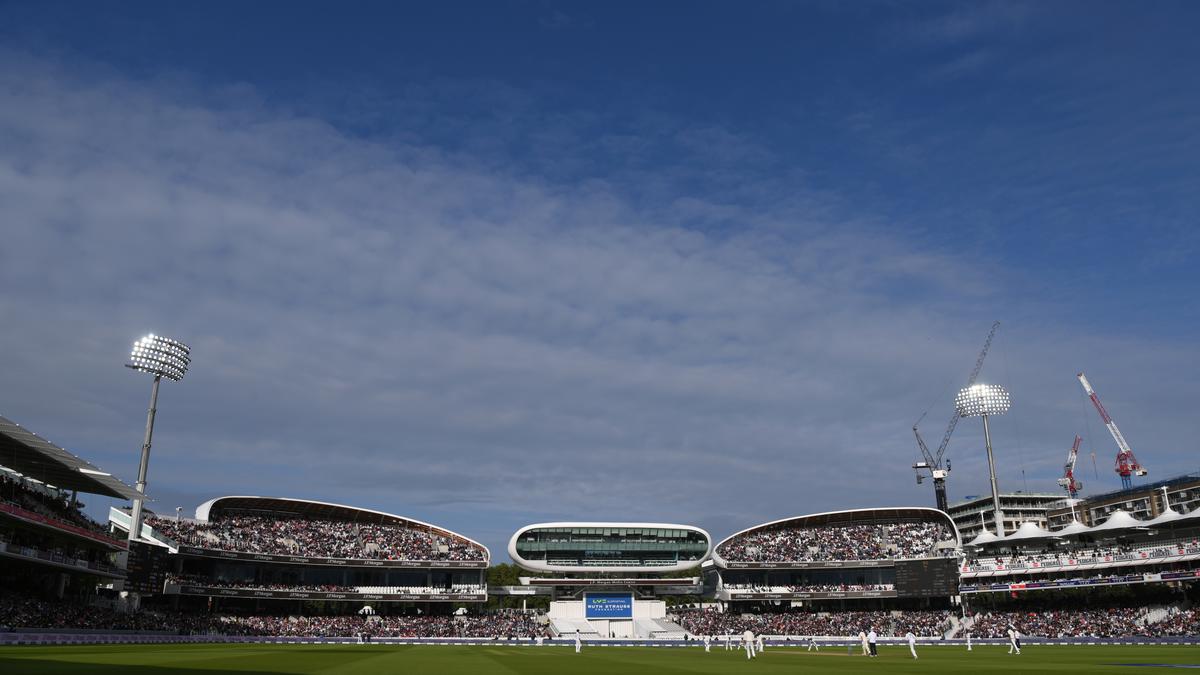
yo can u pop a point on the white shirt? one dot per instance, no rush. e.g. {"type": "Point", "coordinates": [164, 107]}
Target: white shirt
{"type": "Point", "coordinates": [912, 639]}
{"type": "Point", "coordinates": [871, 637]}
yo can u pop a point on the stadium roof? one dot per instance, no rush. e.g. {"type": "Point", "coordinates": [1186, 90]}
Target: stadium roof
{"type": "Point", "coordinates": [321, 510]}
{"type": "Point", "coordinates": [34, 457]}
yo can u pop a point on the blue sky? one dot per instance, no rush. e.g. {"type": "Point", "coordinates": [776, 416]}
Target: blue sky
{"type": "Point", "coordinates": [488, 264]}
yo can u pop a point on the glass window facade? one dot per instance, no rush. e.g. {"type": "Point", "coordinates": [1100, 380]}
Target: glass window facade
{"type": "Point", "coordinates": [612, 546]}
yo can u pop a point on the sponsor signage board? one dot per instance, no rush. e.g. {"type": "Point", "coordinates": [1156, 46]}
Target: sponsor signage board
{"type": "Point", "coordinates": [608, 605]}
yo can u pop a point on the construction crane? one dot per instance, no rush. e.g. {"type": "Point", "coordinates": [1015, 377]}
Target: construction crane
{"type": "Point", "coordinates": [1127, 464]}
{"type": "Point", "coordinates": [1068, 481]}
{"type": "Point", "coordinates": [933, 461]}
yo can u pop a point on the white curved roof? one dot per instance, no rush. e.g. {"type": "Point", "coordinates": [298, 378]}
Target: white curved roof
{"type": "Point", "coordinates": [543, 566]}
{"type": "Point", "coordinates": [203, 511]}
{"type": "Point", "coordinates": [984, 537]}
{"type": "Point", "coordinates": [1028, 530]}
{"type": "Point", "coordinates": [899, 512]}
{"type": "Point", "coordinates": [1167, 516]}
{"type": "Point", "coordinates": [1119, 520]}
{"type": "Point", "coordinates": [1075, 527]}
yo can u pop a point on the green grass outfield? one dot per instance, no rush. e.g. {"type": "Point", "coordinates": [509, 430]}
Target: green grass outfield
{"type": "Point", "coordinates": [256, 659]}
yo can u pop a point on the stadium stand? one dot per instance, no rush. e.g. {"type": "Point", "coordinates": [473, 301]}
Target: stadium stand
{"type": "Point", "coordinates": [870, 541]}
{"type": "Point", "coordinates": [276, 535]}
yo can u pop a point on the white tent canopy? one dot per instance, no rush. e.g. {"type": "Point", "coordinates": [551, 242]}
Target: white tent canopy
{"type": "Point", "coordinates": [982, 538]}
{"type": "Point", "coordinates": [1119, 520]}
{"type": "Point", "coordinates": [1028, 531]}
{"type": "Point", "coordinates": [1074, 528]}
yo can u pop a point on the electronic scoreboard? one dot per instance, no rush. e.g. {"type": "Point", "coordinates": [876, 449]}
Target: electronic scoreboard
{"type": "Point", "coordinates": [931, 577]}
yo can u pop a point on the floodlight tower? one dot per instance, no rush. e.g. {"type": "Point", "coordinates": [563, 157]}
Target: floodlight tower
{"type": "Point", "coordinates": [985, 400]}
{"type": "Point", "coordinates": [161, 357]}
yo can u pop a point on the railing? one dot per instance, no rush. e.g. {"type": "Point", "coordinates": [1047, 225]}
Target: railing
{"type": "Point", "coordinates": [59, 524]}
{"type": "Point", "coordinates": [43, 555]}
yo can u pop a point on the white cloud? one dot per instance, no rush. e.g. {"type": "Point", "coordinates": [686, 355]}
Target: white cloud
{"type": "Point", "coordinates": [389, 324]}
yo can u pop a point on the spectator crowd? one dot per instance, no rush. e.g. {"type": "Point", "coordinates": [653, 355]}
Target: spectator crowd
{"type": "Point", "coordinates": [803, 623]}
{"type": "Point", "coordinates": [46, 502]}
{"type": "Point", "coordinates": [24, 612]}
{"type": "Point", "coordinates": [869, 541]}
{"type": "Point", "coordinates": [316, 538]}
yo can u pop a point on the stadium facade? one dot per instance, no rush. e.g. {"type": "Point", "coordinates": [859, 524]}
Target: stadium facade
{"type": "Point", "coordinates": [1126, 563]}
{"type": "Point", "coordinates": [243, 551]}
{"type": "Point", "coordinates": [859, 557]}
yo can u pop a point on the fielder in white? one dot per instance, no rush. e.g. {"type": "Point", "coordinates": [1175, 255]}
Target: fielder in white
{"type": "Point", "coordinates": [760, 644]}
{"type": "Point", "coordinates": [912, 643]}
{"type": "Point", "coordinates": [728, 642]}
{"type": "Point", "coordinates": [748, 642]}
{"type": "Point", "coordinates": [1014, 640]}
{"type": "Point", "coordinates": [707, 643]}
{"type": "Point", "coordinates": [812, 644]}
{"type": "Point", "coordinates": [578, 642]}
{"type": "Point", "coordinates": [863, 637]}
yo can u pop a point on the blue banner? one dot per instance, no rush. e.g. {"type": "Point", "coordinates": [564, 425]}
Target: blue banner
{"type": "Point", "coordinates": [608, 605]}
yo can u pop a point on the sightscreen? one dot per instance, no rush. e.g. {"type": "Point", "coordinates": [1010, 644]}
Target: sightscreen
{"type": "Point", "coordinates": [608, 605]}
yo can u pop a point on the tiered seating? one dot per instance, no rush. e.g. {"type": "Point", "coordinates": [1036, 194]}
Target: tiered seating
{"type": "Point", "coordinates": [867, 541]}
{"type": "Point", "coordinates": [317, 538]}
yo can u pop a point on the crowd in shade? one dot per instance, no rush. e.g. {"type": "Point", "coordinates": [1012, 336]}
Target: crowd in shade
{"type": "Point", "coordinates": [801, 623]}
{"type": "Point", "coordinates": [867, 541]}
{"type": "Point", "coordinates": [46, 502]}
{"type": "Point", "coordinates": [17, 611]}
{"type": "Point", "coordinates": [496, 625]}
{"type": "Point", "coordinates": [24, 612]}
{"type": "Point", "coordinates": [318, 538]}
{"type": "Point", "coordinates": [1179, 622]}
{"type": "Point", "coordinates": [1102, 623]}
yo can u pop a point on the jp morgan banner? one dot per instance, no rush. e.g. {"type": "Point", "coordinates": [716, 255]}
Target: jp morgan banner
{"type": "Point", "coordinates": [608, 605]}
{"type": "Point", "coordinates": [330, 562]}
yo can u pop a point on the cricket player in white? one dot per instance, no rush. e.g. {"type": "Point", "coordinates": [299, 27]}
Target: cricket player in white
{"type": "Point", "coordinates": [863, 637]}
{"type": "Point", "coordinates": [760, 644]}
{"type": "Point", "coordinates": [540, 641]}
{"type": "Point", "coordinates": [1014, 640]}
{"type": "Point", "coordinates": [728, 642]}
{"type": "Point", "coordinates": [748, 640]}
{"type": "Point", "coordinates": [912, 643]}
{"type": "Point", "coordinates": [871, 638]}
{"type": "Point", "coordinates": [707, 643]}
{"type": "Point", "coordinates": [812, 644]}
{"type": "Point", "coordinates": [578, 642]}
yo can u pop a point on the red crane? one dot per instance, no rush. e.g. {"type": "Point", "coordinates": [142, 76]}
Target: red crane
{"type": "Point", "coordinates": [1068, 481]}
{"type": "Point", "coordinates": [1127, 464]}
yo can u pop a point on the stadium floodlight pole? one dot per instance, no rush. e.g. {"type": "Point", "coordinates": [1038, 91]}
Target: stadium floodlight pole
{"type": "Point", "coordinates": [985, 400]}
{"type": "Point", "coordinates": [160, 357]}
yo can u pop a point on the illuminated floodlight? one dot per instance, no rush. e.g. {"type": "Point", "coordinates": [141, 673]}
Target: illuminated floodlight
{"type": "Point", "coordinates": [161, 357]}
{"type": "Point", "coordinates": [979, 400]}
{"type": "Point", "coordinates": [985, 400]}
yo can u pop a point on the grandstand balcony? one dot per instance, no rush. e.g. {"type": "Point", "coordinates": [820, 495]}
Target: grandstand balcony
{"type": "Point", "coordinates": [44, 531]}
{"type": "Point", "coordinates": [609, 548]}
{"type": "Point", "coordinates": [304, 532]}
{"type": "Point", "coordinates": [841, 539]}
{"type": "Point", "coordinates": [841, 555]}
